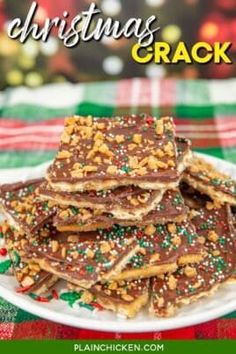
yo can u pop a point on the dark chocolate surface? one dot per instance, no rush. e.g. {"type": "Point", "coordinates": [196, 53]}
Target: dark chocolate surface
{"type": "Point", "coordinates": [215, 228]}
{"type": "Point", "coordinates": [139, 147]}
{"type": "Point", "coordinates": [20, 201]}
{"type": "Point", "coordinates": [171, 207]}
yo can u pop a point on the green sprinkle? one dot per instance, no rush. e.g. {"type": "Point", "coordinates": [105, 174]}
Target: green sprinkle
{"type": "Point", "coordinates": [15, 258]}
{"type": "Point", "coordinates": [31, 189]}
{"type": "Point", "coordinates": [33, 296]}
{"type": "Point", "coordinates": [137, 261]}
{"type": "Point", "coordinates": [86, 306]}
{"type": "Point", "coordinates": [178, 292]}
{"type": "Point", "coordinates": [177, 200]}
{"type": "Point", "coordinates": [204, 226]}
{"type": "Point", "coordinates": [45, 206]}
{"type": "Point", "coordinates": [219, 263]}
{"type": "Point", "coordinates": [4, 266]}
{"type": "Point", "coordinates": [126, 169]}
{"type": "Point", "coordinates": [74, 210]}
{"type": "Point", "coordinates": [1, 235]}
{"type": "Point", "coordinates": [160, 228]}
{"type": "Point", "coordinates": [191, 289]}
{"type": "Point", "coordinates": [90, 268]}
{"type": "Point", "coordinates": [70, 297]}
{"type": "Point", "coordinates": [222, 240]}
{"type": "Point", "coordinates": [143, 243]}
{"type": "Point", "coordinates": [215, 181]}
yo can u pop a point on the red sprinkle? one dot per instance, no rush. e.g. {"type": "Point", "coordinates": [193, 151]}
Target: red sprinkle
{"type": "Point", "coordinates": [149, 120]}
{"type": "Point", "coordinates": [42, 299]}
{"type": "Point", "coordinates": [3, 252]}
{"type": "Point", "coordinates": [139, 234]}
{"type": "Point", "coordinates": [55, 294]}
{"type": "Point", "coordinates": [23, 289]}
{"type": "Point", "coordinates": [95, 304]}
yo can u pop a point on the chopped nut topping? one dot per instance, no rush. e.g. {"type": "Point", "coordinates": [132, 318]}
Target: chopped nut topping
{"type": "Point", "coordinates": [137, 138]}
{"type": "Point", "coordinates": [55, 246]}
{"type": "Point", "coordinates": [190, 271]}
{"type": "Point", "coordinates": [133, 162]}
{"type": "Point", "coordinates": [176, 240]}
{"type": "Point", "coordinates": [112, 170]}
{"type": "Point", "coordinates": [159, 127]}
{"type": "Point", "coordinates": [171, 228]}
{"type": "Point", "coordinates": [119, 138]}
{"type": "Point", "coordinates": [90, 168]}
{"type": "Point", "coordinates": [64, 154]}
{"type": "Point", "coordinates": [65, 137]}
{"type": "Point", "coordinates": [201, 240]}
{"type": "Point", "coordinates": [27, 281]}
{"type": "Point", "coordinates": [155, 257]}
{"type": "Point", "coordinates": [113, 285]}
{"type": "Point", "coordinates": [212, 236]}
{"type": "Point", "coordinates": [63, 252]}
{"type": "Point", "coordinates": [150, 230]}
{"type": "Point", "coordinates": [105, 247]}
{"type": "Point", "coordinates": [72, 238]}
{"type": "Point", "coordinates": [172, 282]}
{"type": "Point", "coordinates": [86, 297]}
{"type": "Point", "coordinates": [127, 297]}
{"type": "Point", "coordinates": [90, 253]}
{"type": "Point", "coordinates": [131, 147]}
{"type": "Point", "coordinates": [216, 253]}
{"type": "Point", "coordinates": [160, 301]}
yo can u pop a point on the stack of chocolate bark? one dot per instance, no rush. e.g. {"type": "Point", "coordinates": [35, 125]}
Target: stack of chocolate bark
{"type": "Point", "coordinates": [126, 215]}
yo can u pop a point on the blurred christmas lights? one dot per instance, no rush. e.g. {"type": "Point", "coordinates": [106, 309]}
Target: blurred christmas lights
{"type": "Point", "coordinates": [155, 3]}
{"type": "Point", "coordinates": [7, 46]}
{"type": "Point", "coordinates": [213, 21]}
{"type": "Point", "coordinates": [30, 48]}
{"type": "Point", "coordinates": [25, 62]}
{"type": "Point", "coordinates": [111, 7]}
{"type": "Point", "coordinates": [155, 71]}
{"type": "Point", "coordinates": [226, 4]}
{"type": "Point", "coordinates": [50, 47]}
{"type": "Point", "coordinates": [33, 79]}
{"type": "Point", "coordinates": [171, 33]}
{"type": "Point", "coordinates": [14, 77]}
{"type": "Point", "coordinates": [113, 65]}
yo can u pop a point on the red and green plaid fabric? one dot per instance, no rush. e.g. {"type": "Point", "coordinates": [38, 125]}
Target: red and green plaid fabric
{"type": "Point", "coordinates": [30, 125]}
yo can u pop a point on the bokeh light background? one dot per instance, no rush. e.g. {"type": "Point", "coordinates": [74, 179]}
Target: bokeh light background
{"type": "Point", "coordinates": [35, 63]}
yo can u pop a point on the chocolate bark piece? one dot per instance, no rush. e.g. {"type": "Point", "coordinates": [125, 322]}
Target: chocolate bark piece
{"type": "Point", "coordinates": [101, 153]}
{"type": "Point", "coordinates": [31, 278]}
{"type": "Point", "coordinates": [83, 259]}
{"type": "Point", "coordinates": [22, 207]}
{"type": "Point", "coordinates": [162, 249]}
{"type": "Point", "coordinates": [124, 297]}
{"type": "Point", "coordinates": [170, 208]}
{"type": "Point", "coordinates": [204, 177]}
{"type": "Point", "coordinates": [125, 202]}
{"type": "Point", "coordinates": [187, 284]}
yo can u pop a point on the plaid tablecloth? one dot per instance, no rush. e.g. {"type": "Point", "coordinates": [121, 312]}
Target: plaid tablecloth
{"type": "Point", "coordinates": [30, 124]}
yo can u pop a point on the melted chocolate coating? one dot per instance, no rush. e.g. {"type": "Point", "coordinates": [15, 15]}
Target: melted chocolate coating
{"type": "Point", "coordinates": [118, 142]}
{"type": "Point", "coordinates": [22, 204]}
{"type": "Point", "coordinates": [215, 228]}
{"type": "Point", "coordinates": [171, 207]}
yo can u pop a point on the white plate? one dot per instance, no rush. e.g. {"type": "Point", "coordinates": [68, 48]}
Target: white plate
{"type": "Point", "coordinates": [223, 302]}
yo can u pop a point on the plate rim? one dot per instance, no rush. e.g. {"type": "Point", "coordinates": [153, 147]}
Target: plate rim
{"type": "Point", "coordinates": [119, 325]}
